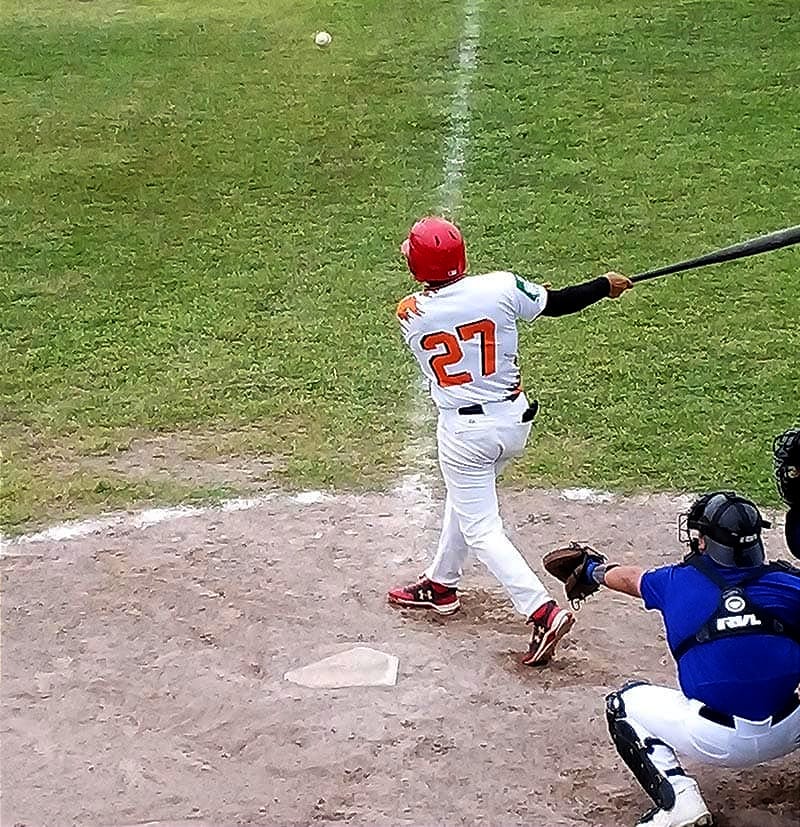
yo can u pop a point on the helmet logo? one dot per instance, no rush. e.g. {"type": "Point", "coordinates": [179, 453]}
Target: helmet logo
{"type": "Point", "coordinates": [735, 603]}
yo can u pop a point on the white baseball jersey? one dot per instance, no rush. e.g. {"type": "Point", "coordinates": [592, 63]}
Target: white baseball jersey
{"type": "Point", "coordinates": [464, 335]}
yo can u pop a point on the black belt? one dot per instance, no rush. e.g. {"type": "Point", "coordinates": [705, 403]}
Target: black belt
{"type": "Point", "coordinates": [470, 410]}
{"type": "Point", "coordinates": [527, 416]}
{"type": "Point", "coordinates": [723, 719]}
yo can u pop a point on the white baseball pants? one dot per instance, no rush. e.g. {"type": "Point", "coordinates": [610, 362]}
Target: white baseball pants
{"type": "Point", "coordinates": [668, 715]}
{"type": "Point", "coordinates": [473, 449]}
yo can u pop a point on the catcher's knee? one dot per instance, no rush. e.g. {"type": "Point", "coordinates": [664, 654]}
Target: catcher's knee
{"type": "Point", "coordinates": [630, 685]}
{"type": "Point", "coordinates": [615, 703]}
{"type": "Point", "coordinates": [635, 752]}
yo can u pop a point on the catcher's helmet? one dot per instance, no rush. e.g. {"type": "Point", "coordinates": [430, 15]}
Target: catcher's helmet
{"type": "Point", "coordinates": [434, 250]}
{"type": "Point", "coordinates": [731, 526]}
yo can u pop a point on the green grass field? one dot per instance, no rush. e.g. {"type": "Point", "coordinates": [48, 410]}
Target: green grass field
{"type": "Point", "coordinates": [201, 213]}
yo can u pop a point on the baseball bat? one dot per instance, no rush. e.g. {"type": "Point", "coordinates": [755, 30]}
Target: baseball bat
{"type": "Point", "coordinates": [761, 244]}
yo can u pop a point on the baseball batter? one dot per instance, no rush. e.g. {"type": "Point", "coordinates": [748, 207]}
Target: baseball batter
{"type": "Point", "coordinates": [462, 330]}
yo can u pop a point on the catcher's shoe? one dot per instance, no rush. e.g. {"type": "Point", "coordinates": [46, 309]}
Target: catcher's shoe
{"type": "Point", "coordinates": [550, 624]}
{"type": "Point", "coordinates": [689, 811]}
{"type": "Point", "coordinates": [425, 594]}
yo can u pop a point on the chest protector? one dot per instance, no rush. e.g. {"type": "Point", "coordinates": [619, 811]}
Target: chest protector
{"type": "Point", "coordinates": [736, 615]}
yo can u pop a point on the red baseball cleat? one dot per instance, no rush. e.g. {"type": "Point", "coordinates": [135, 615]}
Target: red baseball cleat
{"type": "Point", "coordinates": [426, 594]}
{"type": "Point", "coordinates": [550, 624]}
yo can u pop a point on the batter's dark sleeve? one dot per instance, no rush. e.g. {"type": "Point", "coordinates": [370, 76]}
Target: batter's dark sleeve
{"type": "Point", "coordinates": [575, 298]}
{"type": "Point", "coordinates": [793, 530]}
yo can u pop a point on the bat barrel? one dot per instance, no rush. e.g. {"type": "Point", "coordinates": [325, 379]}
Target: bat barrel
{"type": "Point", "coordinates": [754, 246]}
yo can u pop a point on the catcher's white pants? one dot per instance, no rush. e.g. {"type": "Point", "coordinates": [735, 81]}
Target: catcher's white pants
{"type": "Point", "coordinates": [667, 714]}
{"type": "Point", "coordinates": [472, 451]}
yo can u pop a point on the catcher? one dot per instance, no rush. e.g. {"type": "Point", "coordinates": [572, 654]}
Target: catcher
{"type": "Point", "coordinates": [786, 461]}
{"type": "Point", "coordinates": [733, 627]}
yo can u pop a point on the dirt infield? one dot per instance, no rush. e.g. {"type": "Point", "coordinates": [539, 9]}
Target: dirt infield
{"type": "Point", "coordinates": [142, 677]}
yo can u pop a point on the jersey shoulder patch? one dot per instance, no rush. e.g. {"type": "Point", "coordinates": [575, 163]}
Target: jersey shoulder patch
{"type": "Point", "coordinates": [531, 290]}
{"type": "Point", "coordinates": [408, 307]}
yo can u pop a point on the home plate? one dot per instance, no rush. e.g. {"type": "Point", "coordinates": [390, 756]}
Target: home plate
{"type": "Point", "coordinates": [360, 666]}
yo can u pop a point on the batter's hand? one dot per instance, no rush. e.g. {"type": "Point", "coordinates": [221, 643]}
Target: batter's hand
{"type": "Point", "coordinates": [619, 284]}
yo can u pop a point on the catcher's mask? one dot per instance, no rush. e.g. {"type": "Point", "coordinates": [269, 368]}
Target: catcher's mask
{"type": "Point", "coordinates": [434, 250]}
{"type": "Point", "coordinates": [731, 526]}
{"type": "Point", "coordinates": [786, 464]}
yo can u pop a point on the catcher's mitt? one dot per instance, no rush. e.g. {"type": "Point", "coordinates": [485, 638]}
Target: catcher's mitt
{"type": "Point", "coordinates": [786, 462]}
{"type": "Point", "coordinates": [568, 564]}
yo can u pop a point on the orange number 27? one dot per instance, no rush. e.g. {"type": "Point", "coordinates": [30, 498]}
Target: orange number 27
{"type": "Point", "coordinates": [452, 353]}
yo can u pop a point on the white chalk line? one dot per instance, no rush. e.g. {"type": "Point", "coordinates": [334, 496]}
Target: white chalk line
{"type": "Point", "coordinates": [460, 116]}
{"type": "Point", "coordinates": [419, 449]}
{"type": "Point", "coordinates": [75, 529]}
{"type": "Point", "coordinates": [410, 489]}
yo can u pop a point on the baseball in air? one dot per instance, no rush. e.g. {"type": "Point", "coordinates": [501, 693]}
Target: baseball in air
{"type": "Point", "coordinates": [322, 39]}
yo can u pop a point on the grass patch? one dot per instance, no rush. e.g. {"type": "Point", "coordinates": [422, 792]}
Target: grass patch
{"type": "Point", "coordinates": [59, 485]}
{"type": "Point", "coordinates": [197, 210]}
{"type": "Point", "coordinates": [201, 213]}
{"type": "Point", "coordinates": [626, 135]}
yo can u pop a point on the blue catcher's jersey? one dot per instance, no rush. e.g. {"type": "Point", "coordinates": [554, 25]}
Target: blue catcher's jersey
{"type": "Point", "coordinates": [750, 675]}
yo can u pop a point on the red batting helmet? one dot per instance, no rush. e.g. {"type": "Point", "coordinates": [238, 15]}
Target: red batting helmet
{"type": "Point", "coordinates": [434, 250]}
